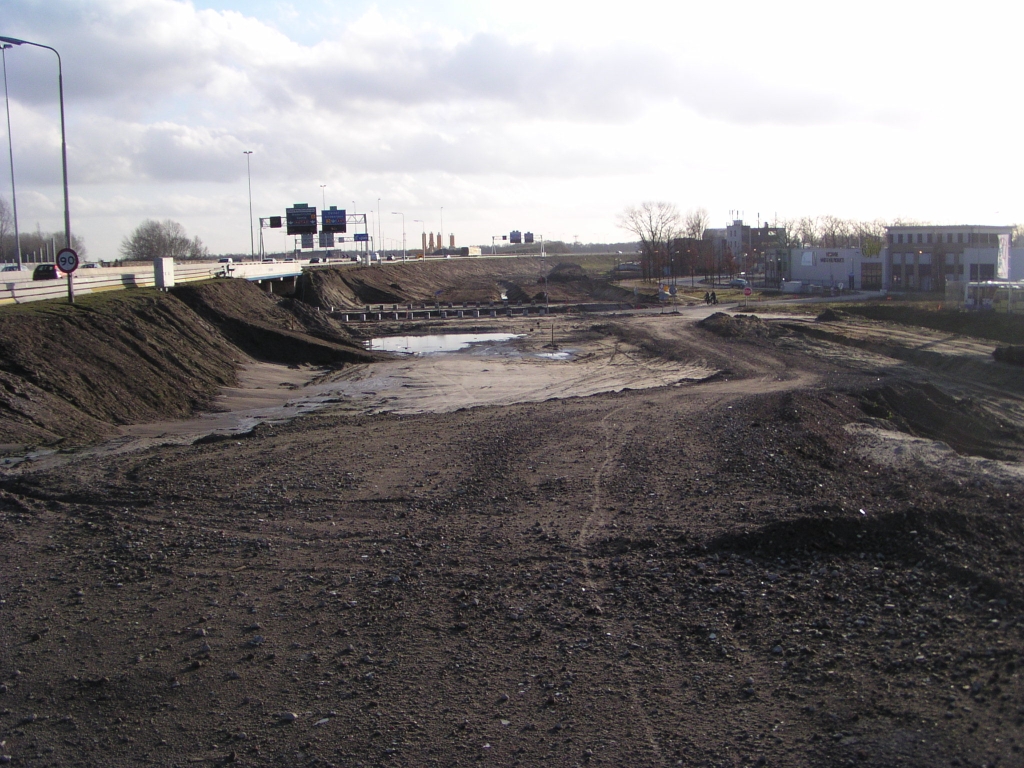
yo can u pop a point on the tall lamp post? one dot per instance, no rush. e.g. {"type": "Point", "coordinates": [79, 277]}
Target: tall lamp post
{"type": "Point", "coordinates": [399, 213]}
{"type": "Point", "coordinates": [63, 135]}
{"type": "Point", "coordinates": [423, 235]}
{"type": "Point", "coordinates": [441, 244]}
{"type": "Point", "coordinates": [248, 176]}
{"type": "Point", "coordinates": [10, 150]}
{"type": "Point", "coordinates": [380, 229]}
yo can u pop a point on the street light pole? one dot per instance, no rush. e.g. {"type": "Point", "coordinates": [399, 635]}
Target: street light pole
{"type": "Point", "coordinates": [399, 213]}
{"type": "Point", "coordinates": [380, 229]}
{"type": "Point", "coordinates": [441, 244]}
{"type": "Point", "coordinates": [248, 175]}
{"type": "Point", "coordinates": [423, 235]}
{"type": "Point", "coordinates": [323, 196]}
{"type": "Point", "coordinates": [63, 145]}
{"type": "Point", "coordinates": [10, 150]}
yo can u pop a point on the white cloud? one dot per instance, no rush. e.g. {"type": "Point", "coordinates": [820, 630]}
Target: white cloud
{"type": "Point", "coordinates": [795, 107]}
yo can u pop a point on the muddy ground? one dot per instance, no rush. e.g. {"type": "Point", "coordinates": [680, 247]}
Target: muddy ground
{"type": "Point", "coordinates": [808, 554]}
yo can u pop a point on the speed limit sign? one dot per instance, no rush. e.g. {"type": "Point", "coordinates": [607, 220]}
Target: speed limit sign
{"type": "Point", "coordinates": [67, 260]}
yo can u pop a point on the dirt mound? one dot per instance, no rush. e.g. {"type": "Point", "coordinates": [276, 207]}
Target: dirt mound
{"type": "Point", "coordinates": [566, 273]}
{"type": "Point", "coordinates": [263, 328]}
{"type": "Point", "coordinates": [831, 316]}
{"type": "Point", "coordinates": [1012, 355]}
{"type": "Point", "coordinates": [983, 325]}
{"type": "Point", "coordinates": [454, 281]}
{"type": "Point", "coordinates": [924, 410]}
{"type": "Point", "coordinates": [74, 371]}
{"type": "Point", "coordinates": [738, 326]}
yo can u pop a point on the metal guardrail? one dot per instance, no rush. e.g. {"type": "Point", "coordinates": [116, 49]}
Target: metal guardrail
{"type": "Point", "coordinates": [20, 288]}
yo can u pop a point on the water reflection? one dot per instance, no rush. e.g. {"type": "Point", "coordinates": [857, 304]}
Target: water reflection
{"type": "Point", "coordinates": [426, 345]}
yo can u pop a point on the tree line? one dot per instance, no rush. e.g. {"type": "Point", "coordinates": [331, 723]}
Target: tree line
{"type": "Point", "coordinates": [162, 239]}
{"type": "Point", "coordinates": [38, 245]}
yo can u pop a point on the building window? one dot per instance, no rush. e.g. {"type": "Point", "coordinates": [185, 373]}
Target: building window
{"type": "Point", "coordinates": [899, 239]}
{"type": "Point", "coordinates": [871, 277]}
{"type": "Point", "coordinates": [959, 237]}
{"type": "Point", "coordinates": [920, 238]}
{"type": "Point", "coordinates": [949, 237]}
{"type": "Point", "coordinates": [929, 238]}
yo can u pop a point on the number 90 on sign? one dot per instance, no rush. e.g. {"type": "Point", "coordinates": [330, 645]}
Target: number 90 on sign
{"type": "Point", "coordinates": [67, 260]}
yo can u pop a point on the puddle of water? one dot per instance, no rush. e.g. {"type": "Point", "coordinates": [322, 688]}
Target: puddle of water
{"type": "Point", "coordinates": [428, 345]}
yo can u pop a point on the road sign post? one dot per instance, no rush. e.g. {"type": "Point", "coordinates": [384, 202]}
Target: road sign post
{"type": "Point", "coordinates": [67, 261]}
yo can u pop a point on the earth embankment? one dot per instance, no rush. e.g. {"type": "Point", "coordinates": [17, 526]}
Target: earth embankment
{"type": "Point", "coordinates": [484, 280]}
{"type": "Point", "coordinates": [71, 374]}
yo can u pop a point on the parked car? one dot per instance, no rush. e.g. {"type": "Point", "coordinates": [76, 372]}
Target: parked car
{"type": "Point", "coordinates": [738, 282]}
{"type": "Point", "coordinates": [46, 272]}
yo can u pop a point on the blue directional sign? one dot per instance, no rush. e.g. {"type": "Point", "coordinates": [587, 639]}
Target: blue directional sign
{"type": "Point", "coordinates": [361, 237]}
{"type": "Point", "coordinates": [332, 220]}
{"type": "Point", "coordinates": [301, 219]}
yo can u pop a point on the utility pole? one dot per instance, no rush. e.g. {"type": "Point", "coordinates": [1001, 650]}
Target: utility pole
{"type": "Point", "coordinates": [248, 175]}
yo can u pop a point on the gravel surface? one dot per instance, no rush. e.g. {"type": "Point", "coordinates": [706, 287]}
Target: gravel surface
{"type": "Point", "coordinates": [731, 572]}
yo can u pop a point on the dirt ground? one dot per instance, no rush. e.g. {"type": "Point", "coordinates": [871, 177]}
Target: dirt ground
{"type": "Point", "coordinates": [702, 540]}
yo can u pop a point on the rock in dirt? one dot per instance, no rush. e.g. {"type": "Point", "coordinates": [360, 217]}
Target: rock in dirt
{"type": "Point", "coordinates": [1012, 354]}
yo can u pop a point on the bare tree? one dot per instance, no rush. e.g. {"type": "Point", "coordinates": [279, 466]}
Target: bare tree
{"type": "Point", "coordinates": [161, 239]}
{"type": "Point", "coordinates": [655, 224]}
{"type": "Point", "coordinates": [806, 230]}
{"type": "Point", "coordinates": [870, 236]}
{"type": "Point", "coordinates": [696, 223]}
{"type": "Point", "coordinates": [1018, 235]}
{"type": "Point", "coordinates": [833, 232]}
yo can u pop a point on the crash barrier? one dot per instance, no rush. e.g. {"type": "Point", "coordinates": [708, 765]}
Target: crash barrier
{"type": "Point", "coordinates": [20, 288]}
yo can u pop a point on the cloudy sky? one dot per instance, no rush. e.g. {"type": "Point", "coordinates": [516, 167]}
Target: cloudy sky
{"type": "Point", "coordinates": [536, 115]}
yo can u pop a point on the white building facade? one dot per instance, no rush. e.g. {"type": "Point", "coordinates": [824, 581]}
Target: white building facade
{"type": "Point", "coordinates": [841, 268]}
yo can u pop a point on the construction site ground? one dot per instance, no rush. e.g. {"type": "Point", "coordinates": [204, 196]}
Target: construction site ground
{"type": "Point", "coordinates": [698, 537]}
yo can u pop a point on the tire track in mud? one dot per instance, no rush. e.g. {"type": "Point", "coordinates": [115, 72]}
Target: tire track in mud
{"type": "Point", "coordinates": [596, 519]}
{"type": "Point", "coordinates": [706, 395]}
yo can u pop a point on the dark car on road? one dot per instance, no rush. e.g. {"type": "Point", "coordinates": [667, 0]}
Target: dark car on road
{"type": "Point", "coordinates": [738, 282]}
{"type": "Point", "coordinates": [46, 272]}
